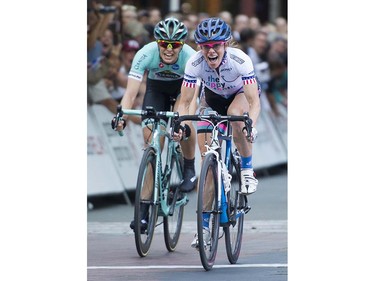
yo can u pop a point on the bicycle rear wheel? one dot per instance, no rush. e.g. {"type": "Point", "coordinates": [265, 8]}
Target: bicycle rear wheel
{"type": "Point", "coordinates": [144, 206]}
{"type": "Point", "coordinates": [173, 222]}
{"type": "Point", "coordinates": [207, 206]}
{"type": "Point", "coordinates": [236, 202]}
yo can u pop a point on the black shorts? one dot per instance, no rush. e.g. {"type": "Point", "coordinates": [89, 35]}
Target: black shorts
{"type": "Point", "coordinates": [161, 94]}
{"type": "Point", "coordinates": [217, 102]}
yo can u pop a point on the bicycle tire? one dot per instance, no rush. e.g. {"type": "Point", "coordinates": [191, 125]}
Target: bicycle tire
{"type": "Point", "coordinates": [208, 187]}
{"type": "Point", "coordinates": [145, 185]}
{"type": "Point", "coordinates": [172, 224]}
{"type": "Point", "coordinates": [234, 231]}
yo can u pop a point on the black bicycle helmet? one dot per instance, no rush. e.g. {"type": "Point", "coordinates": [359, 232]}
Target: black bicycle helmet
{"type": "Point", "coordinates": [212, 29]}
{"type": "Point", "coordinates": [170, 29]}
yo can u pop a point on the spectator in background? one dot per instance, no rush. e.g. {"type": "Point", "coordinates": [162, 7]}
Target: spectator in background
{"type": "Point", "coordinates": [107, 41]}
{"type": "Point", "coordinates": [118, 83]}
{"type": "Point", "coordinates": [128, 14]}
{"type": "Point", "coordinates": [143, 16]}
{"type": "Point", "coordinates": [277, 86]}
{"type": "Point", "coordinates": [278, 61]}
{"type": "Point", "coordinates": [241, 21]}
{"type": "Point", "coordinates": [135, 30]}
{"type": "Point", "coordinates": [281, 27]}
{"type": "Point", "coordinates": [258, 54]}
{"type": "Point", "coordinates": [132, 28]}
{"type": "Point", "coordinates": [186, 8]}
{"type": "Point", "coordinates": [98, 65]}
{"type": "Point", "coordinates": [116, 24]}
{"type": "Point", "coordinates": [278, 50]}
{"type": "Point", "coordinates": [191, 22]}
{"type": "Point", "coordinates": [226, 16]}
{"type": "Point", "coordinates": [246, 38]}
{"type": "Point", "coordinates": [155, 15]}
{"type": "Point", "coordinates": [254, 23]}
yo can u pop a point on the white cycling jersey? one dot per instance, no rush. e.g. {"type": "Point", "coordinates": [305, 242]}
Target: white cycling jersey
{"type": "Point", "coordinates": [235, 70]}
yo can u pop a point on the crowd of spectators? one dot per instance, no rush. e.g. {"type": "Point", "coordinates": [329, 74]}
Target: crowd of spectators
{"type": "Point", "coordinates": [116, 31]}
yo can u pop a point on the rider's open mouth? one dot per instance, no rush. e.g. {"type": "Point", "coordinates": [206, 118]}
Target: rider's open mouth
{"type": "Point", "coordinates": [168, 55]}
{"type": "Point", "coordinates": [213, 59]}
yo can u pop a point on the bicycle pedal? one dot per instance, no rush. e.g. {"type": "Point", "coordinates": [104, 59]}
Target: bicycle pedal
{"type": "Point", "coordinates": [247, 209]}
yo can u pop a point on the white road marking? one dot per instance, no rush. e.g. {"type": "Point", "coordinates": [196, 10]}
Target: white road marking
{"type": "Point", "coordinates": [270, 226]}
{"type": "Point", "coordinates": [189, 266]}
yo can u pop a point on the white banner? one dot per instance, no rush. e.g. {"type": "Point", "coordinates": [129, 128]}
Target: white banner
{"type": "Point", "coordinates": [126, 151]}
{"type": "Point", "coordinates": [102, 176]}
{"type": "Point", "coordinates": [269, 149]}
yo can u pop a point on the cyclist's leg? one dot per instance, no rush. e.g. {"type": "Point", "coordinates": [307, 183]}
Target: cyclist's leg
{"type": "Point", "coordinates": [159, 101]}
{"type": "Point", "coordinates": [188, 148]}
{"type": "Point", "coordinates": [248, 181]}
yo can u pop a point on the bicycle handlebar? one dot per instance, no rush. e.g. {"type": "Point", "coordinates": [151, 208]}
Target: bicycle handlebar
{"type": "Point", "coordinates": [215, 118]}
{"type": "Point", "coordinates": [151, 113]}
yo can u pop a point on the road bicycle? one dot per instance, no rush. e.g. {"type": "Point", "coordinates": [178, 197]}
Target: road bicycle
{"type": "Point", "coordinates": [157, 192]}
{"type": "Point", "coordinates": [219, 200]}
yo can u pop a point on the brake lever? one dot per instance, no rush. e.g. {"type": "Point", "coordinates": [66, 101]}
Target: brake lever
{"type": "Point", "coordinates": [118, 118]}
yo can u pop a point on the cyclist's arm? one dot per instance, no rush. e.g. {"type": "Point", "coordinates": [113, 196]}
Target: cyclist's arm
{"type": "Point", "coordinates": [252, 96]}
{"type": "Point", "coordinates": [132, 90]}
{"type": "Point", "coordinates": [194, 102]}
{"type": "Point", "coordinates": [187, 96]}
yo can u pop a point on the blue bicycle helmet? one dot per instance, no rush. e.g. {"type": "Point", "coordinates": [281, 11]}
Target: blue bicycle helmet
{"type": "Point", "coordinates": [170, 29]}
{"type": "Point", "coordinates": [212, 29]}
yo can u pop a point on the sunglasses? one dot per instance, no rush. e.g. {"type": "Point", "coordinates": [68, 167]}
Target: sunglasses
{"type": "Point", "coordinates": [168, 44]}
{"type": "Point", "coordinates": [216, 46]}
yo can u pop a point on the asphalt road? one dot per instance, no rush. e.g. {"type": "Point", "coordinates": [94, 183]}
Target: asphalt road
{"type": "Point", "coordinates": [112, 255]}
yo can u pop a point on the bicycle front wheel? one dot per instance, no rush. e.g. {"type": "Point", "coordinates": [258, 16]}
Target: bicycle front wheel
{"type": "Point", "coordinates": [145, 209]}
{"type": "Point", "coordinates": [207, 212]}
{"type": "Point", "coordinates": [236, 203]}
{"type": "Point", "coordinates": [173, 222]}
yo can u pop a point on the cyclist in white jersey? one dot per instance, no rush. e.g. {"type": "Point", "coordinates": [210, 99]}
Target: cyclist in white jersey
{"type": "Point", "coordinates": [229, 87]}
{"type": "Point", "coordinates": [165, 61]}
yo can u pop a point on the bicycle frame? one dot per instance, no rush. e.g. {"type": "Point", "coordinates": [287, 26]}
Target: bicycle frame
{"type": "Point", "coordinates": [161, 178]}
{"type": "Point", "coordinates": [215, 146]}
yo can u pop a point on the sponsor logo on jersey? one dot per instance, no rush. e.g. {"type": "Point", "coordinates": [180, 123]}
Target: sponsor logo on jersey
{"type": "Point", "coordinates": [136, 76]}
{"type": "Point", "coordinates": [226, 69]}
{"type": "Point", "coordinates": [198, 61]}
{"type": "Point", "coordinates": [136, 66]}
{"type": "Point", "coordinates": [237, 59]}
{"type": "Point", "coordinates": [188, 77]}
{"type": "Point", "coordinates": [161, 65]}
{"type": "Point", "coordinates": [214, 83]}
{"type": "Point", "coordinates": [167, 74]}
{"type": "Point", "coordinates": [175, 67]}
